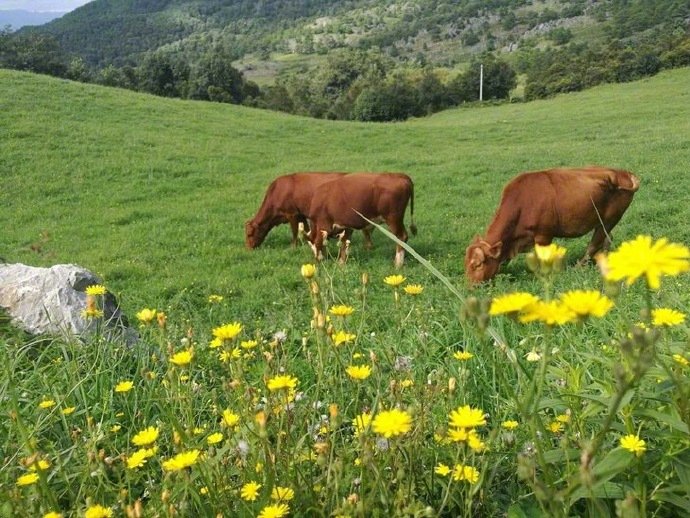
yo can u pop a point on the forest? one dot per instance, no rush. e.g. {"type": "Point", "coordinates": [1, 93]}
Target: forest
{"type": "Point", "coordinates": [356, 60]}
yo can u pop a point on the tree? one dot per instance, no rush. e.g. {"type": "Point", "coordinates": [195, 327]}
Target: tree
{"type": "Point", "coordinates": [215, 79]}
{"type": "Point", "coordinates": [499, 79]}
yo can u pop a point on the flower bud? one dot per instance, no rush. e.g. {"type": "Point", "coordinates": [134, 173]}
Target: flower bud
{"type": "Point", "coordinates": [308, 271]}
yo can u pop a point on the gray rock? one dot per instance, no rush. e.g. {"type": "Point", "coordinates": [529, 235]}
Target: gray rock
{"type": "Point", "coordinates": [52, 301]}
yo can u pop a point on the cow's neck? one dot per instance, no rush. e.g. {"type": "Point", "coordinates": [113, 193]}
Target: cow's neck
{"type": "Point", "coordinates": [503, 229]}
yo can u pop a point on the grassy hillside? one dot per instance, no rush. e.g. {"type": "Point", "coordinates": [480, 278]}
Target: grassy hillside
{"type": "Point", "coordinates": [518, 419]}
{"type": "Point", "coordinates": [152, 193]}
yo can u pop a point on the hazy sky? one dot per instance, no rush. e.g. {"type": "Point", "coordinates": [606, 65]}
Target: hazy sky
{"type": "Point", "coordinates": [42, 5]}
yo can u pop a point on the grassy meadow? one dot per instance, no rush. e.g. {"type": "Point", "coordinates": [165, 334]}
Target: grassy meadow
{"type": "Point", "coordinates": [152, 195]}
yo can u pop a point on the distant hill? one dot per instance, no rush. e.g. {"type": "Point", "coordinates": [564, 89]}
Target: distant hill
{"type": "Point", "coordinates": [18, 18]}
{"type": "Point", "coordinates": [438, 32]}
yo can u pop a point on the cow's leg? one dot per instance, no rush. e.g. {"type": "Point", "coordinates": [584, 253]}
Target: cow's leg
{"type": "Point", "coordinates": [600, 241]}
{"type": "Point", "coordinates": [316, 238]}
{"type": "Point", "coordinates": [398, 228]}
{"type": "Point", "coordinates": [344, 244]}
{"type": "Point", "coordinates": [368, 243]}
{"type": "Point", "coordinates": [294, 226]}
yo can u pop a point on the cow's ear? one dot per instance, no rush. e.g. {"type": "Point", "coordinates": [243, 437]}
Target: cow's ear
{"type": "Point", "coordinates": [495, 250]}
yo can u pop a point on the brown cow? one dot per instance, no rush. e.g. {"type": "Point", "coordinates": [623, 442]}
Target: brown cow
{"type": "Point", "coordinates": [380, 197]}
{"type": "Point", "coordinates": [538, 206]}
{"type": "Point", "coordinates": [287, 200]}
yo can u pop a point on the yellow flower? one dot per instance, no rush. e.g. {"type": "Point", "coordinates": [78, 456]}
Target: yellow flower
{"type": "Point", "coordinates": [467, 417]}
{"type": "Point", "coordinates": [462, 355]}
{"type": "Point", "coordinates": [681, 360]}
{"type": "Point", "coordinates": [115, 428]}
{"type": "Point", "coordinates": [509, 425]}
{"type": "Point", "coordinates": [633, 444]}
{"type": "Point", "coordinates": [139, 457]}
{"type": "Point", "coordinates": [41, 465]}
{"type": "Point", "coordinates": [68, 410]}
{"type": "Point", "coordinates": [248, 344]}
{"type": "Point", "coordinates": [98, 511]}
{"type": "Point", "coordinates": [181, 461]}
{"type": "Point", "coordinates": [283, 494]}
{"type": "Point", "coordinates": [475, 442]}
{"type": "Point", "coordinates": [406, 383]}
{"type": "Point", "coordinates": [563, 418]}
{"type": "Point", "coordinates": [308, 271]}
{"type": "Point", "coordinates": [341, 310]}
{"type": "Point", "coordinates": [511, 303]}
{"type": "Point", "coordinates": [342, 337]}
{"type": "Point", "coordinates": [282, 382]}
{"type": "Point", "coordinates": [551, 313]}
{"type": "Point", "coordinates": [250, 491]}
{"type": "Point", "coordinates": [467, 473]}
{"type": "Point", "coordinates": [214, 438]}
{"type": "Point", "coordinates": [215, 299]}
{"type": "Point", "coordinates": [667, 317]}
{"type": "Point", "coordinates": [146, 316]}
{"type": "Point", "coordinates": [228, 331]}
{"type": "Point", "coordinates": [390, 423]}
{"type": "Point", "coordinates": [230, 419]}
{"type": "Point", "coordinates": [394, 280]}
{"type": "Point", "coordinates": [28, 479]}
{"type": "Point", "coordinates": [641, 256]}
{"type": "Point", "coordinates": [586, 302]}
{"type": "Point", "coordinates": [95, 289]}
{"type": "Point", "coordinates": [124, 386]}
{"type": "Point", "coordinates": [458, 434]}
{"type": "Point", "coordinates": [442, 469]}
{"type": "Point", "coordinates": [549, 253]}
{"type": "Point", "coordinates": [46, 403]}
{"type": "Point", "coordinates": [361, 423]}
{"type": "Point", "coordinates": [556, 427]}
{"type": "Point", "coordinates": [274, 511]}
{"type": "Point", "coordinates": [215, 343]}
{"type": "Point", "coordinates": [146, 437]}
{"type": "Point", "coordinates": [92, 313]}
{"type": "Point", "coordinates": [52, 514]}
{"type": "Point", "coordinates": [182, 358]}
{"type": "Point", "coordinates": [413, 289]}
{"type": "Point", "coordinates": [226, 356]}
{"type": "Point", "coordinates": [203, 490]}
{"type": "Point", "coordinates": [358, 372]}
{"type": "Point", "coordinates": [533, 356]}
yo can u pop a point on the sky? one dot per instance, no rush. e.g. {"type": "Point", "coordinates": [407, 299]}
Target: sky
{"type": "Point", "coordinates": [42, 5]}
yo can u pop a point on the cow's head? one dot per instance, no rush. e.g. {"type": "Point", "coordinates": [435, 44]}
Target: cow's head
{"type": "Point", "coordinates": [482, 260]}
{"type": "Point", "coordinates": [253, 236]}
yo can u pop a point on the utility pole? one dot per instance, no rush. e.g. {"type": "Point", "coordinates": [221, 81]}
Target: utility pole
{"type": "Point", "coordinates": [481, 83]}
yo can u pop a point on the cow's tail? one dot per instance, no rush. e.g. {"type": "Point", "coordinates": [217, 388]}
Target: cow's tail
{"type": "Point", "coordinates": [413, 227]}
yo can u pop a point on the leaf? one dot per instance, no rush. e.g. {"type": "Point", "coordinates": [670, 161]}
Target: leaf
{"type": "Point", "coordinates": [665, 495]}
{"type": "Point", "coordinates": [664, 418]}
{"type": "Point", "coordinates": [615, 462]}
{"type": "Point", "coordinates": [603, 490]}
{"type": "Point", "coordinates": [554, 456]}
{"type": "Point", "coordinates": [524, 510]}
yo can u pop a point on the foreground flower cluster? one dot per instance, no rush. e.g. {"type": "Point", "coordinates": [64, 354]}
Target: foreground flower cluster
{"type": "Point", "coordinates": [368, 404]}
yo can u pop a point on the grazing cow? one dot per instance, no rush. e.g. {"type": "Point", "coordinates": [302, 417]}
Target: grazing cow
{"type": "Point", "coordinates": [337, 207]}
{"type": "Point", "coordinates": [536, 207]}
{"type": "Point", "coordinates": [287, 201]}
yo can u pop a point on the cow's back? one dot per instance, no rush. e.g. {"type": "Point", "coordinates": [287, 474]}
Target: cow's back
{"type": "Point", "coordinates": [373, 195]}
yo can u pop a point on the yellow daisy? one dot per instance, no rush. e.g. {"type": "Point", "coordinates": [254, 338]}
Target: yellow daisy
{"type": "Point", "coordinates": [391, 423]}
{"type": "Point", "coordinates": [643, 257]}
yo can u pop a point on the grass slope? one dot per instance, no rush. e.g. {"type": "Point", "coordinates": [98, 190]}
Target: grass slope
{"type": "Point", "coordinates": [152, 193]}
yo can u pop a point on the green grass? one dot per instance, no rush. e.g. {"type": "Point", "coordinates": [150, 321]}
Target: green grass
{"type": "Point", "coordinates": [152, 195]}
